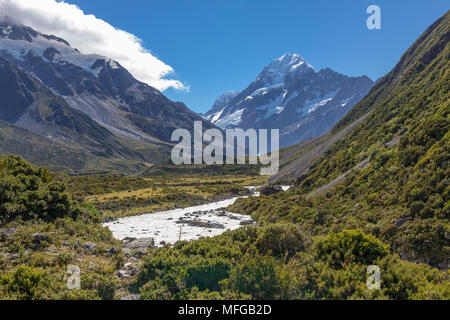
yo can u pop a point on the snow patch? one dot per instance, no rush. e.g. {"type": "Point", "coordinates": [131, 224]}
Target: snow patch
{"type": "Point", "coordinates": [215, 116]}
{"type": "Point", "coordinates": [314, 104]}
{"type": "Point", "coordinates": [19, 48]}
{"type": "Point", "coordinates": [232, 119]}
{"type": "Point", "coordinates": [113, 64]}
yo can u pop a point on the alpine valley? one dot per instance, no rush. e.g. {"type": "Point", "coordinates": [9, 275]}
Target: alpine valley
{"type": "Point", "coordinates": [84, 106]}
{"type": "Point", "coordinates": [85, 182]}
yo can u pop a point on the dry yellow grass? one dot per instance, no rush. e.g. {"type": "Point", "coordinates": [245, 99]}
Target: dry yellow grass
{"type": "Point", "coordinates": [172, 192]}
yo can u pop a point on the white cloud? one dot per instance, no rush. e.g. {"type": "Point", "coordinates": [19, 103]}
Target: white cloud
{"type": "Point", "coordinates": [92, 35]}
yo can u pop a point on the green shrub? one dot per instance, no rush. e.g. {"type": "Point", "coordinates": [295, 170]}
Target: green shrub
{"type": "Point", "coordinates": [26, 283]}
{"type": "Point", "coordinates": [106, 288]}
{"type": "Point", "coordinates": [207, 273]}
{"type": "Point", "coordinates": [256, 275]}
{"type": "Point", "coordinates": [350, 246]}
{"type": "Point", "coordinates": [416, 208]}
{"type": "Point", "coordinates": [28, 192]}
{"type": "Point", "coordinates": [281, 239]}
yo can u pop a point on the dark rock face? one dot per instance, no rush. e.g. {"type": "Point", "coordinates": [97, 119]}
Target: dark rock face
{"type": "Point", "coordinates": [139, 246]}
{"type": "Point", "coordinates": [291, 96]}
{"type": "Point", "coordinates": [300, 179]}
{"type": "Point", "coordinates": [28, 104]}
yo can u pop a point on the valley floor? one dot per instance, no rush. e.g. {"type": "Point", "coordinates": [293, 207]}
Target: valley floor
{"type": "Point", "coordinates": [120, 196]}
{"type": "Point", "coordinates": [275, 260]}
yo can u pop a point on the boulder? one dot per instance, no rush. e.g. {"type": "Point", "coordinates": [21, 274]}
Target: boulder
{"type": "Point", "coordinates": [39, 237]}
{"type": "Point", "coordinates": [13, 256]}
{"type": "Point", "coordinates": [268, 190]}
{"type": "Point", "coordinates": [402, 221]}
{"type": "Point", "coordinates": [123, 274]}
{"type": "Point", "coordinates": [7, 233]}
{"type": "Point", "coordinates": [141, 243]}
{"type": "Point", "coordinates": [140, 252]}
{"type": "Point", "coordinates": [246, 223]}
{"type": "Point", "coordinates": [90, 246]}
{"type": "Point", "coordinates": [113, 251]}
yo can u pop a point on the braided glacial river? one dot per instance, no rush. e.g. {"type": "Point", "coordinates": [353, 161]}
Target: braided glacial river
{"type": "Point", "coordinates": [167, 227]}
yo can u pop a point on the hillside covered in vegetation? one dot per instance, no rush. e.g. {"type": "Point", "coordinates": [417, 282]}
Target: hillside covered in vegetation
{"type": "Point", "coordinates": [43, 231]}
{"type": "Point", "coordinates": [378, 195]}
{"type": "Point", "coordinates": [389, 175]}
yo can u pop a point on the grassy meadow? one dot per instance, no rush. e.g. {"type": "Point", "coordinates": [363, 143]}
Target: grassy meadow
{"type": "Point", "coordinates": [119, 196]}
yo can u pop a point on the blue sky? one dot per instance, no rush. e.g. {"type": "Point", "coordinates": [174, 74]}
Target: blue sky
{"type": "Point", "coordinates": [220, 45]}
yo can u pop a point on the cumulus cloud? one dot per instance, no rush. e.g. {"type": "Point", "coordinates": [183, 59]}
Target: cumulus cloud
{"type": "Point", "coordinates": [92, 35]}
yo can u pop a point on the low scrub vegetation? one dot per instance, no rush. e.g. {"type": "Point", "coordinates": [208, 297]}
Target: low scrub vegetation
{"type": "Point", "coordinates": [280, 261]}
{"type": "Point", "coordinates": [42, 231]}
{"type": "Point", "coordinates": [117, 195]}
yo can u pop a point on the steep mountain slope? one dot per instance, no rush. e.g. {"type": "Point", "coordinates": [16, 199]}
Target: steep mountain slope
{"type": "Point", "coordinates": [296, 160]}
{"type": "Point", "coordinates": [87, 101]}
{"type": "Point", "coordinates": [60, 157]}
{"type": "Point", "coordinates": [389, 175]}
{"type": "Point", "coordinates": [291, 96]}
{"type": "Point", "coordinates": [28, 104]}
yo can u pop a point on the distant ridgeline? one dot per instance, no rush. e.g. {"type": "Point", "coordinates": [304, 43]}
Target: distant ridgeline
{"type": "Point", "coordinates": [80, 112]}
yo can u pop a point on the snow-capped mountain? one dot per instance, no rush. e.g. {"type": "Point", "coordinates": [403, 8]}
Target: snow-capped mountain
{"type": "Point", "coordinates": [220, 103]}
{"type": "Point", "coordinates": [290, 95]}
{"type": "Point", "coordinates": [103, 96]}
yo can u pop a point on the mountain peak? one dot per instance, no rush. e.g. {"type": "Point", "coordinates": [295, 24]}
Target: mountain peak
{"type": "Point", "coordinates": [279, 68]}
{"type": "Point", "coordinates": [221, 102]}
{"type": "Point", "coordinates": [13, 30]}
{"type": "Point", "coordinates": [287, 57]}
{"type": "Point", "coordinates": [284, 95]}
{"type": "Point", "coordinates": [20, 43]}
{"type": "Point", "coordinates": [226, 97]}
{"type": "Point", "coordinates": [288, 61]}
